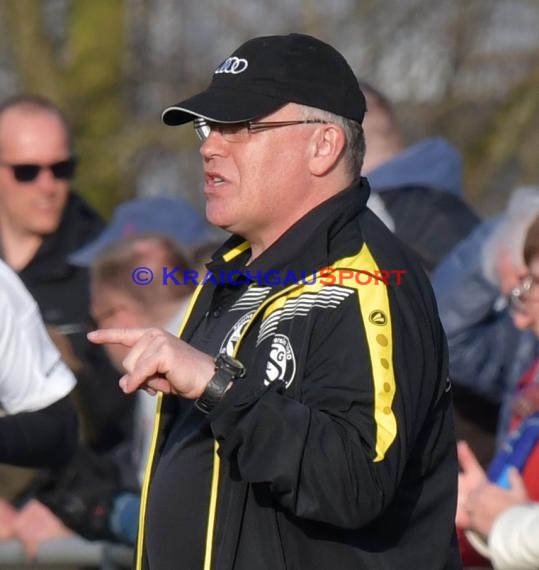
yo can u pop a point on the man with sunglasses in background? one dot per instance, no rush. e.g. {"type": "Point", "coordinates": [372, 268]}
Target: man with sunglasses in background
{"type": "Point", "coordinates": [304, 425]}
{"type": "Point", "coordinates": [41, 222]}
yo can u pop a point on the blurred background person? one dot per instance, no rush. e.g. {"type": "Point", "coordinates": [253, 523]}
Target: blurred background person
{"type": "Point", "coordinates": [511, 256]}
{"type": "Point", "coordinates": [41, 222]}
{"type": "Point", "coordinates": [417, 192]}
{"type": "Point", "coordinates": [38, 421]}
{"type": "Point", "coordinates": [117, 301]}
{"type": "Point", "coordinates": [173, 217]}
{"type": "Point", "coordinates": [489, 348]}
{"type": "Point", "coordinates": [419, 186]}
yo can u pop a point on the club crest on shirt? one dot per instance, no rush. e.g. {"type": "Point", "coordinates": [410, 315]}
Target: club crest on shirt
{"type": "Point", "coordinates": [231, 339]}
{"type": "Point", "coordinates": [281, 362]}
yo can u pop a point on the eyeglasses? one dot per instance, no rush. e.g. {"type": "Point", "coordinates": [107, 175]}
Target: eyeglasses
{"type": "Point", "coordinates": [520, 294]}
{"type": "Point", "coordinates": [241, 132]}
{"type": "Point", "coordinates": [62, 170]}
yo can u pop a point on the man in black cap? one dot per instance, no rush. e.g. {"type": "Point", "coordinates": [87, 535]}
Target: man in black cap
{"type": "Point", "coordinates": [320, 436]}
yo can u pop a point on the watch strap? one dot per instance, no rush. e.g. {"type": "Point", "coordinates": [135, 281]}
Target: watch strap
{"type": "Point", "coordinates": [227, 370]}
{"type": "Point", "coordinates": [214, 392]}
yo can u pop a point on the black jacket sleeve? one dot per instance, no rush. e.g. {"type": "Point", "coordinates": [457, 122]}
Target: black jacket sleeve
{"type": "Point", "coordinates": [43, 438]}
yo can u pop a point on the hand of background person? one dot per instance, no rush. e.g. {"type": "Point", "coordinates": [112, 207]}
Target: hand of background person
{"type": "Point", "coordinates": [36, 524]}
{"type": "Point", "coordinates": [471, 478]}
{"type": "Point", "coordinates": [159, 362]}
{"type": "Point", "coordinates": [485, 504]}
{"type": "Point", "coordinates": [8, 515]}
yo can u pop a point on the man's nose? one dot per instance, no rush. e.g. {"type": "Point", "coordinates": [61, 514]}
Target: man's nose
{"type": "Point", "coordinates": [214, 145]}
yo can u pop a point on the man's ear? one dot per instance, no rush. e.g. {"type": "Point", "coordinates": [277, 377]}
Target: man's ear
{"type": "Point", "coordinates": [328, 144]}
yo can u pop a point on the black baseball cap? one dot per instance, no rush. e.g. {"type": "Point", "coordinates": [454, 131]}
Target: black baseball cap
{"type": "Point", "coordinates": [266, 73]}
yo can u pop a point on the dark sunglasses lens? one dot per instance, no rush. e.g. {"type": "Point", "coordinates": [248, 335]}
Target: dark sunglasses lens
{"type": "Point", "coordinates": [25, 172]}
{"type": "Point", "coordinates": [64, 170]}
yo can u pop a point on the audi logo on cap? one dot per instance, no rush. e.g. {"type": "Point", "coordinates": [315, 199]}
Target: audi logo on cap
{"type": "Point", "coordinates": [233, 65]}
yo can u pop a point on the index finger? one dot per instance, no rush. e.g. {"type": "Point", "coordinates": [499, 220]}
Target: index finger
{"type": "Point", "coordinates": [125, 337]}
{"type": "Point", "coordinates": [467, 459]}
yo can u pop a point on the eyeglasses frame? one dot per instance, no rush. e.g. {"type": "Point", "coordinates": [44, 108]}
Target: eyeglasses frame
{"type": "Point", "coordinates": [252, 127]}
{"type": "Point", "coordinates": [519, 293]}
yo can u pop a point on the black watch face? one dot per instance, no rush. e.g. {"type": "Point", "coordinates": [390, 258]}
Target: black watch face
{"type": "Point", "coordinates": [230, 364]}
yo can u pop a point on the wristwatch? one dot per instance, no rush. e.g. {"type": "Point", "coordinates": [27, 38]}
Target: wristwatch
{"type": "Point", "coordinates": [227, 369]}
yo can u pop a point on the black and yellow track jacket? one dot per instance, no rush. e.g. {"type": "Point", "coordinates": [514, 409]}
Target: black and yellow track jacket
{"type": "Point", "coordinates": [337, 449]}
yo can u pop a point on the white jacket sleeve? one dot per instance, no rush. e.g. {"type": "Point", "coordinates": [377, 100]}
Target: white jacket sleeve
{"type": "Point", "coordinates": [514, 539]}
{"type": "Point", "coordinates": [32, 374]}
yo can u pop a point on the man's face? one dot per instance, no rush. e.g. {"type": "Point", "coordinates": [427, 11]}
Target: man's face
{"type": "Point", "coordinates": [37, 137]}
{"type": "Point", "coordinates": [260, 187]}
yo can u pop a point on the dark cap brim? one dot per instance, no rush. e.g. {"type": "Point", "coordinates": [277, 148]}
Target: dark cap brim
{"type": "Point", "coordinates": [222, 105]}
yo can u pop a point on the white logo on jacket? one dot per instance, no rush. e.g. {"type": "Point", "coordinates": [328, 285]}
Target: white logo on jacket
{"type": "Point", "coordinates": [281, 362]}
{"type": "Point", "coordinates": [231, 339]}
{"type": "Point", "coordinates": [328, 298]}
{"type": "Point", "coordinates": [251, 299]}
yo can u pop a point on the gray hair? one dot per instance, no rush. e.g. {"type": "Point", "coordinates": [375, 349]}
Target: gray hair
{"type": "Point", "coordinates": [354, 150]}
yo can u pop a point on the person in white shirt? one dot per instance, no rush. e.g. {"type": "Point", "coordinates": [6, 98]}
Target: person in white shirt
{"type": "Point", "coordinates": [39, 425]}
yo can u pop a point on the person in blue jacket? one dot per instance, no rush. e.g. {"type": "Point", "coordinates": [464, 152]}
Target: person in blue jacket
{"type": "Point", "coordinates": [418, 186]}
{"type": "Point", "coordinates": [487, 353]}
